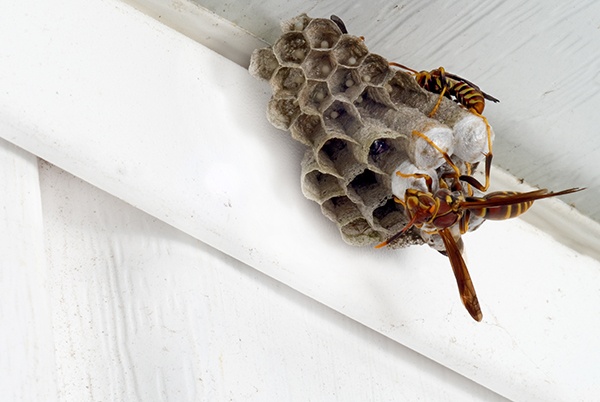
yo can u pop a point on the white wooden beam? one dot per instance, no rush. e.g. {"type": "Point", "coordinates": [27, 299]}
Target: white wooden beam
{"type": "Point", "coordinates": [178, 131]}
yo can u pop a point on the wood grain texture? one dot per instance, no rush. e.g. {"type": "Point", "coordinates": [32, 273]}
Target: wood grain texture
{"type": "Point", "coordinates": [27, 366]}
{"type": "Point", "coordinates": [142, 311]}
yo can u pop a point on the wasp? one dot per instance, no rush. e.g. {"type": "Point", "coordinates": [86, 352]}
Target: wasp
{"type": "Point", "coordinates": [450, 207]}
{"type": "Point", "coordinates": [450, 85]}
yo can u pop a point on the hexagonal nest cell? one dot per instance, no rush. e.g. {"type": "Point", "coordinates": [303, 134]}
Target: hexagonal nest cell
{"type": "Point", "coordinates": [287, 82]}
{"type": "Point", "coordinates": [350, 51]}
{"type": "Point", "coordinates": [342, 116]}
{"type": "Point", "coordinates": [282, 112]}
{"type": "Point", "coordinates": [318, 65]}
{"type": "Point", "coordinates": [346, 84]}
{"type": "Point", "coordinates": [337, 157]}
{"type": "Point", "coordinates": [315, 97]}
{"type": "Point", "coordinates": [308, 129]}
{"type": "Point", "coordinates": [291, 48]}
{"type": "Point", "coordinates": [374, 70]}
{"type": "Point", "coordinates": [355, 114]}
{"type": "Point", "coordinates": [322, 34]}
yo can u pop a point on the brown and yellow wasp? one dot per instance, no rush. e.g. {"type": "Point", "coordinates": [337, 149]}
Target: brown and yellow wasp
{"type": "Point", "coordinates": [450, 206]}
{"type": "Point", "coordinates": [446, 84]}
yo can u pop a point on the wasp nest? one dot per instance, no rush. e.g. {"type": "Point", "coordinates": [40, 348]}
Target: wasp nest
{"type": "Point", "coordinates": [356, 115]}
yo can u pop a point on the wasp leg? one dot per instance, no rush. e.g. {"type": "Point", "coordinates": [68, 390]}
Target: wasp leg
{"type": "Point", "coordinates": [426, 177]}
{"type": "Point", "coordinates": [399, 201]}
{"type": "Point", "coordinates": [392, 63]}
{"type": "Point", "coordinates": [440, 150]}
{"type": "Point", "coordinates": [437, 104]}
{"type": "Point", "coordinates": [488, 158]}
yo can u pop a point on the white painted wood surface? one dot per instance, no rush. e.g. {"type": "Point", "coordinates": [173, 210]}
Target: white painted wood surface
{"type": "Point", "coordinates": [142, 311]}
{"type": "Point", "coordinates": [27, 341]}
{"type": "Point", "coordinates": [149, 136]}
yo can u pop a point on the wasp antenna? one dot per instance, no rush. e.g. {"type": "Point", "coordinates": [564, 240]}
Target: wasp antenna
{"type": "Point", "coordinates": [391, 63]}
{"type": "Point", "coordinates": [338, 21]}
{"type": "Point", "coordinates": [567, 191]}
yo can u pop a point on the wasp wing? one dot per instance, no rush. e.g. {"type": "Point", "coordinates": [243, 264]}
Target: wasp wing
{"type": "Point", "coordinates": [469, 83]}
{"type": "Point", "coordinates": [501, 198]}
{"type": "Point", "coordinates": [461, 273]}
{"type": "Point", "coordinates": [489, 97]}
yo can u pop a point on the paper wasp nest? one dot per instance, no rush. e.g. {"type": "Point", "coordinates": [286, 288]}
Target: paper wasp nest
{"type": "Point", "coordinates": [356, 115]}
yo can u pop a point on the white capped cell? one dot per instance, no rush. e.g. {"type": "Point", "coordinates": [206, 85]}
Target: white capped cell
{"type": "Point", "coordinates": [472, 138]}
{"type": "Point", "coordinates": [426, 156]}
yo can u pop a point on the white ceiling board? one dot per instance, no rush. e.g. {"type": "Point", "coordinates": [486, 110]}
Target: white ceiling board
{"type": "Point", "coordinates": [198, 23]}
{"type": "Point", "coordinates": [540, 58]}
{"type": "Point", "coordinates": [178, 131]}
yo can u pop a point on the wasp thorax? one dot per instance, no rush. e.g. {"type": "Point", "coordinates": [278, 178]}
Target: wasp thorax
{"type": "Point", "coordinates": [357, 117]}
